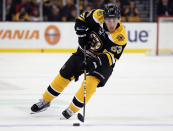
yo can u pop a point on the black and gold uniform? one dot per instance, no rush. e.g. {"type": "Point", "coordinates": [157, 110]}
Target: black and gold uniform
{"type": "Point", "coordinates": [104, 48]}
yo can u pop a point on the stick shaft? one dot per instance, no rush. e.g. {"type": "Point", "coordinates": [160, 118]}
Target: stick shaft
{"type": "Point", "coordinates": [84, 84]}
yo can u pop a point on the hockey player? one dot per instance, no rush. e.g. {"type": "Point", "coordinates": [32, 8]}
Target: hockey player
{"type": "Point", "coordinates": [104, 37]}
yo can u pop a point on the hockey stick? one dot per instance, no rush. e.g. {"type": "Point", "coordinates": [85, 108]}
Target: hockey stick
{"type": "Point", "coordinates": [80, 116]}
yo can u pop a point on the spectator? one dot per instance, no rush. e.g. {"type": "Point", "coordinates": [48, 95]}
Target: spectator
{"type": "Point", "coordinates": [165, 7]}
{"type": "Point", "coordinates": [52, 10]}
{"type": "Point", "coordinates": [23, 4]}
{"type": "Point", "coordinates": [54, 14]}
{"type": "Point", "coordinates": [22, 15]}
{"type": "Point", "coordinates": [110, 2]}
{"type": "Point", "coordinates": [46, 10]}
{"type": "Point", "coordinates": [67, 9]}
{"type": "Point", "coordinates": [33, 5]}
{"type": "Point", "coordinates": [88, 7]}
{"type": "Point", "coordinates": [1, 10]}
{"type": "Point", "coordinates": [131, 12]}
{"type": "Point", "coordinates": [35, 16]}
{"type": "Point", "coordinates": [119, 5]}
{"type": "Point", "coordinates": [124, 2]}
{"type": "Point", "coordinates": [57, 3]}
{"type": "Point", "coordinates": [10, 10]}
{"type": "Point", "coordinates": [84, 5]}
{"type": "Point", "coordinates": [99, 4]}
{"type": "Point", "coordinates": [73, 14]}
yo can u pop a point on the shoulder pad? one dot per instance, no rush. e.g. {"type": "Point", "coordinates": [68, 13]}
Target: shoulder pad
{"type": "Point", "coordinates": [98, 16]}
{"type": "Point", "coordinates": [119, 36]}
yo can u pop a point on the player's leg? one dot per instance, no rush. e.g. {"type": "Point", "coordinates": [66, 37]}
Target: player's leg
{"type": "Point", "coordinates": [67, 73]}
{"type": "Point", "coordinates": [95, 79]}
{"type": "Point", "coordinates": [53, 90]}
{"type": "Point", "coordinates": [56, 87]}
{"type": "Point", "coordinates": [78, 100]}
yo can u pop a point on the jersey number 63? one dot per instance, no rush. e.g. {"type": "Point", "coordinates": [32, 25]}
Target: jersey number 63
{"type": "Point", "coordinates": [116, 49]}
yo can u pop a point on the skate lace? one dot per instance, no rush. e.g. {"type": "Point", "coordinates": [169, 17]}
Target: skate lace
{"type": "Point", "coordinates": [41, 103]}
{"type": "Point", "coordinates": [70, 112]}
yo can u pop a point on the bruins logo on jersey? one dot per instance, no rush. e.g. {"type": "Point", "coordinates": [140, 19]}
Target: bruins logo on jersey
{"type": "Point", "coordinates": [96, 43]}
{"type": "Point", "coordinates": [99, 13]}
{"type": "Point", "coordinates": [120, 37]}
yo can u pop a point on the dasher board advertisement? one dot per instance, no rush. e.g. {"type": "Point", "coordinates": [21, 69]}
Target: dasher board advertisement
{"type": "Point", "coordinates": [61, 35]}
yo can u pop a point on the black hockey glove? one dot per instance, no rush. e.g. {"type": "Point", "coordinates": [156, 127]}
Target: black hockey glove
{"type": "Point", "coordinates": [100, 60]}
{"type": "Point", "coordinates": [90, 64]}
{"type": "Point", "coordinates": [83, 36]}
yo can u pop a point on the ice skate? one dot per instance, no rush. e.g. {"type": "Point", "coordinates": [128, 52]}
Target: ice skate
{"type": "Point", "coordinates": [66, 114]}
{"type": "Point", "coordinates": [42, 105]}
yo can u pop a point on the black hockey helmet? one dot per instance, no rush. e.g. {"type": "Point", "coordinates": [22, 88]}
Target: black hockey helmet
{"type": "Point", "coordinates": [111, 11]}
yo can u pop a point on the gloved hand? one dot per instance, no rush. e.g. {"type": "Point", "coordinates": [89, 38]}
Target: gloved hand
{"type": "Point", "coordinates": [83, 36]}
{"type": "Point", "coordinates": [97, 61]}
{"type": "Point", "coordinates": [90, 64]}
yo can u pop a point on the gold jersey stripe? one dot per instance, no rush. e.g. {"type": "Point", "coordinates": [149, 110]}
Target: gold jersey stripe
{"type": "Point", "coordinates": [116, 59]}
{"type": "Point", "coordinates": [80, 18]}
{"type": "Point", "coordinates": [112, 55]}
{"type": "Point", "coordinates": [83, 14]}
{"type": "Point", "coordinates": [109, 58]}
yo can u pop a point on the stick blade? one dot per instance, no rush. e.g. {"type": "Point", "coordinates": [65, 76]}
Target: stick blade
{"type": "Point", "coordinates": [80, 117]}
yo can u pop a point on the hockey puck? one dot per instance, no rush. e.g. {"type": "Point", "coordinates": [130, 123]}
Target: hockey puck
{"type": "Point", "coordinates": [76, 124]}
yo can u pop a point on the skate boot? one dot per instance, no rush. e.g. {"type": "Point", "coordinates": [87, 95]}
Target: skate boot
{"type": "Point", "coordinates": [42, 105]}
{"type": "Point", "coordinates": [66, 114]}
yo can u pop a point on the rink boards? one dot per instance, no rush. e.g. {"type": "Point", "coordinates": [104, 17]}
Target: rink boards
{"type": "Point", "coordinates": [61, 37]}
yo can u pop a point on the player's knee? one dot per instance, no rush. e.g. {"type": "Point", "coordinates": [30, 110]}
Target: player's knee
{"type": "Point", "coordinates": [91, 84]}
{"type": "Point", "coordinates": [60, 82]}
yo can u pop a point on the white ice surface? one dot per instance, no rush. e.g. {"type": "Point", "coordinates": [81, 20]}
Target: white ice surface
{"type": "Point", "coordinates": [137, 97]}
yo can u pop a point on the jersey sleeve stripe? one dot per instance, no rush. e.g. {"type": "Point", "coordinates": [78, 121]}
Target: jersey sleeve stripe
{"type": "Point", "coordinates": [112, 56]}
{"type": "Point", "coordinates": [82, 19]}
{"type": "Point", "coordinates": [109, 58]}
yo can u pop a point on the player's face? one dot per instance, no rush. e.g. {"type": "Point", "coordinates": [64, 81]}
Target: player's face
{"type": "Point", "coordinates": [111, 23]}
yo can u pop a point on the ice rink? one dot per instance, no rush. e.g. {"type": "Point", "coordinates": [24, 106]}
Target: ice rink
{"type": "Point", "coordinates": [137, 97]}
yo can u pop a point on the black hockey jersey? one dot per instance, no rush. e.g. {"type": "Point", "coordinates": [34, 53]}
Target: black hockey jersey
{"type": "Point", "coordinates": [111, 44]}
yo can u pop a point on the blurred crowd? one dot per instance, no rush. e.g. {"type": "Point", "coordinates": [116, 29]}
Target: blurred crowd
{"type": "Point", "coordinates": [65, 10]}
{"type": "Point", "coordinates": [165, 8]}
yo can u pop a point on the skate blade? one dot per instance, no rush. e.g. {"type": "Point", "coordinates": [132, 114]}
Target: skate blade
{"type": "Point", "coordinates": [61, 117]}
{"type": "Point", "coordinates": [38, 111]}
{"type": "Point", "coordinates": [33, 113]}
